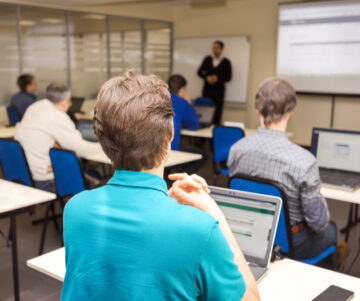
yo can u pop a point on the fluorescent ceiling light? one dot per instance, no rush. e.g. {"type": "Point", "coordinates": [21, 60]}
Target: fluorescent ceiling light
{"type": "Point", "coordinates": [94, 17]}
{"type": "Point", "coordinates": [27, 23]}
{"type": "Point", "coordinates": [51, 20]}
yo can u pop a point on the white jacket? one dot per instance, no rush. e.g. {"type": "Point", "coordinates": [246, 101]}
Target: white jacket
{"type": "Point", "coordinates": [43, 125]}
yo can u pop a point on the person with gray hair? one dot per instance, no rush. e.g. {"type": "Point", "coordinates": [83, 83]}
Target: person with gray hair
{"type": "Point", "coordinates": [269, 154]}
{"type": "Point", "coordinates": [45, 125]}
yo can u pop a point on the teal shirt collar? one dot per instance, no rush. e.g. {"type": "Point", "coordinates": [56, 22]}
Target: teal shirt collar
{"type": "Point", "coordinates": [138, 179]}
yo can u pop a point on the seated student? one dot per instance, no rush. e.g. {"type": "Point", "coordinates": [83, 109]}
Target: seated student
{"type": "Point", "coordinates": [46, 124]}
{"type": "Point", "coordinates": [185, 113]}
{"type": "Point", "coordinates": [26, 97]}
{"type": "Point", "coordinates": [130, 240]}
{"type": "Point", "coordinates": [269, 154]}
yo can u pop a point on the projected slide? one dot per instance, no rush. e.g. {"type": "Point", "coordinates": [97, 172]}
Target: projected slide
{"type": "Point", "coordinates": [319, 46]}
{"type": "Point", "coordinates": [250, 225]}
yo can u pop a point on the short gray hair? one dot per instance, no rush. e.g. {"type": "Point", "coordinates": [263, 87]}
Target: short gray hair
{"type": "Point", "coordinates": [275, 98]}
{"type": "Point", "coordinates": [57, 92]}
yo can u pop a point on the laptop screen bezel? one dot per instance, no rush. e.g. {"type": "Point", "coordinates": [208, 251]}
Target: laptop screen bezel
{"type": "Point", "coordinates": [261, 262]}
{"type": "Point", "coordinates": [315, 142]}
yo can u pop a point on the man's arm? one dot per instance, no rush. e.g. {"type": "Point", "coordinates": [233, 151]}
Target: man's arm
{"type": "Point", "coordinates": [193, 191]}
{"type": "Point", "coordinates": [313, 202]}
{"type": "Point", "coordinates": [191, 119]}
{"type": "Point", "coordinates": [202, 71]}
{"type": "Point", "coordinates": [69, 137]}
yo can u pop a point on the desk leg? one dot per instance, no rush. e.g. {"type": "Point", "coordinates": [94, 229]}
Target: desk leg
{"type": "Point", "coordinates": [14, 257]}
{"type": "Point", "coordinates": [353, 220]}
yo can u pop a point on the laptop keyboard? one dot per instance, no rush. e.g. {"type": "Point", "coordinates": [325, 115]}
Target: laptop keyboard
{"type": "Point", "coordinates": [340, 178]}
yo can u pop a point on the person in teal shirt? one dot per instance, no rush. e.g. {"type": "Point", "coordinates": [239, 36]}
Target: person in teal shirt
{"type": "Point", "coordinates": [132, 239]}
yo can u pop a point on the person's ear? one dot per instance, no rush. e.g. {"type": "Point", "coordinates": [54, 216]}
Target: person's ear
{"type": "Point", "coordinates": [181, 91]}
{"type": "Point", "coordinates": [172, 132]}
{"type": "Point", "coordinates": [258, 112]}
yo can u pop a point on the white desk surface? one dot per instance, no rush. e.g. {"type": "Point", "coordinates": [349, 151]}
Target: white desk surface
{"type": "Point", "coordinates": [341, 195]}
{"type": "Point", "coordinates": [286, 280]}
{"type": "Point", "coordinates": [16, 196]}
{"type": "Point", "coordinates": [207, 132]}
{"type": "Point", "coordinates": [7, 132]}
{"type": "Point", "coordinates": [176, 158]}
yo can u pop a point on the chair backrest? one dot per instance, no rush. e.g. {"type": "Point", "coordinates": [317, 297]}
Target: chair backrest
{"type": "Point", "coordinates": [13, 162]}
{"type": "Point", "coordinates": [69, 177]}
{"type": "Point", "coordinates": [223, 138]}
{"type": "Point", "coordinates": [203, 101]}
{"type": "Point", "coordinates": [262, 186]}
{"type": "Point", "coordinates": [13, 115]}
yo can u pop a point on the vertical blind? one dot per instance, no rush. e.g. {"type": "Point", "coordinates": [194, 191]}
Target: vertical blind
{"type": "Point", "coordinates": [77, 48]}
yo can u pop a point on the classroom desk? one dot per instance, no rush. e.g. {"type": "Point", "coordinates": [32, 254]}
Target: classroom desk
{"type": "Point", "coordinates": [352, 197]}
{"type": "Point", "coordinates": [7, 132]}
{"type": "Point", "coordinates": [286, 280]}
{"type": "Point", "coordinates": [208, 132]}
{"type": "Point", "coordinates": [16, 199]}
{"type": "Point", "coordinates": [176, 158]}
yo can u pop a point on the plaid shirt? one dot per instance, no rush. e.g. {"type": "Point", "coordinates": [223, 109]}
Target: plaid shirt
{"type": "Point", "coordinates": [269, 154]}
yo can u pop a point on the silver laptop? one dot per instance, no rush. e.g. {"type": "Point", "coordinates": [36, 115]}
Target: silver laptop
{"type": "Point", "coordinates": [205, 115]}
{"type": "Point", "coordinates": [253, 219]}
{"type": "Point", "coordinates": [337, 153]}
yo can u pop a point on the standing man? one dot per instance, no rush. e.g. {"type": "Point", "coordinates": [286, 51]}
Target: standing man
{"type": "Point", "coordinates": [26, 97]}
{"type": "Point", "coordinates": [216, 71]}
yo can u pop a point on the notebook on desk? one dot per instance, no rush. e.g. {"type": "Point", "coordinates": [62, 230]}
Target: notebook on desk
{"type": "Point", "coordinates": [337, 153]}
{"type": "Point", "coordinates": [253, 219]}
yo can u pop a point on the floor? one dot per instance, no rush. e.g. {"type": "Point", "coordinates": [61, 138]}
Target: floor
{"type": "Point", "coordinates": [36, 286]}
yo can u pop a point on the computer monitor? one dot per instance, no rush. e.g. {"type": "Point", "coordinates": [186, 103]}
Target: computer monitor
{"type": "Point", "coordinates": [336, 149]}
{"type": "Point", "coordinates": [76, 103]}
{"type": "Point", "coordinates": [253, 219]}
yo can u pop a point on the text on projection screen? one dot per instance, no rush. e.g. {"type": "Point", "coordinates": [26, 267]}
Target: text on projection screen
{"type": "Point", "coordinates": [319, 46]}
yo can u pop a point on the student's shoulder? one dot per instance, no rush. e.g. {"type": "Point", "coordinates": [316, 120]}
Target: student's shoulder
{"type": "Point", "coordinates": [301, 153]}
{"type": "Point", "coordinates": [194, 221]}
{"type": "Point", "coordinates": [246, 142]}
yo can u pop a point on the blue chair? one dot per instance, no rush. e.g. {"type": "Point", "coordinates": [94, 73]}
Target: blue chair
{"type": "Point", "coordinates": [16, 169]}
{"type": "Point", "coordinates": [13, 115]}
{"type": "Point", "coordinates": [203, 101]}
{"type": "Point", "coordinates": [14, 163]}
{"type": "Point", "coordinates": [223, 138]}
{"type": "Point", "coordinates": [69, 176]}
{"type": "Point", "coordinates": [283, 236]}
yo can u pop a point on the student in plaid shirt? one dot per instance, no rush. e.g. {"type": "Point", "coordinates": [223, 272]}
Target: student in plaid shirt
{"type": "Point", "coordinates": [269, 154]}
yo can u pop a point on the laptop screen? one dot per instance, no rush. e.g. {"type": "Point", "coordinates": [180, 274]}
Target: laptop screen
{"type": "Point", "coordinates": [336, 149]}
{"type": "Point", "coordinates": [253, 220]}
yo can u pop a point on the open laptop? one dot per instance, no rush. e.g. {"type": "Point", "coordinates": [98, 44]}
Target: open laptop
{"type": "Point", "coordinates": [205, 115]}
{"type": "Point", "coordinates": [338, 156]}
{"type": "Point", "coordinates": [76, 104]}
{"type": "Point", "coordinates": [253, 219]}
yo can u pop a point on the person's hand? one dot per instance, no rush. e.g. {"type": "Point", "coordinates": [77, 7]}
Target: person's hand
{"type": "Point", "coordinates": [215, 79]}
{"type": "Point", "coordinates": [193, 191]}
{"type": "Point", "coordinates": [183, 94]}
{"type": "Point", "coordinates": [209, 79]}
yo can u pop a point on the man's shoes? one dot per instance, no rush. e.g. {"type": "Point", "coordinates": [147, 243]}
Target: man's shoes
{"type": "Point", "coordinates": [342, 251]}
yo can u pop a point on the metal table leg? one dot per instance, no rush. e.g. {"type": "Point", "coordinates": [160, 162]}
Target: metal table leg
{"type": "Point", "coordinates": [14, 257]}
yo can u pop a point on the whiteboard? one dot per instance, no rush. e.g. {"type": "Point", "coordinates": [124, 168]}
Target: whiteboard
{"type": "Point", "coordinates": [190, 52]}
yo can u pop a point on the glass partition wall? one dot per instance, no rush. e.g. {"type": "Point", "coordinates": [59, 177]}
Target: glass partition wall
{"type": "Point", "coordinates": [80, 49]}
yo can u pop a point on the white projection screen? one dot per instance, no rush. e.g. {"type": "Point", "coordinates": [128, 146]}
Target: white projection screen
{"type": "Point", "coordinates": [318, 46]}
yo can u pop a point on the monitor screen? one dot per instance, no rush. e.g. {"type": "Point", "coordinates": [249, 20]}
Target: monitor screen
{"type": "Point", "coordinates": [337, 149]}
{"type": "Point", "coordinates": [318, 46]}
{"type": "Point", "coordinates": [251, 222]}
